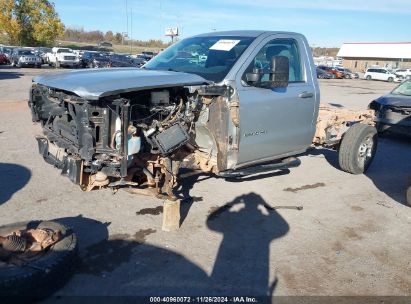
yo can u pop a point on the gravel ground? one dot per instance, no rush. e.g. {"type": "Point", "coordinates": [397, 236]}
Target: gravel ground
{"type": "Point", "coordinates": [351, 238]}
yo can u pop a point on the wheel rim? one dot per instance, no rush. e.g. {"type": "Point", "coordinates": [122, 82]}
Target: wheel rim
{"type": "Point", "coordinates": [366, 151]}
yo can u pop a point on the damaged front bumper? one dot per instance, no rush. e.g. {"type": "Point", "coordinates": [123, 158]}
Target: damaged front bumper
{"type": "Point", "coordinates": [394, 119]}
{"type": "Point", "coordinates": [52, 154]}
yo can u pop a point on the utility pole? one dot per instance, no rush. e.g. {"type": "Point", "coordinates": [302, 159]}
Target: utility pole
{"type": "Point", "coordinates": [131, 30]}
{"type": "Point", "coordinates": [126, 19]}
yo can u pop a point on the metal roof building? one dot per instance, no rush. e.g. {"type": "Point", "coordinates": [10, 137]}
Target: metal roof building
{"type": "Point", "coordinates": [360, 56]}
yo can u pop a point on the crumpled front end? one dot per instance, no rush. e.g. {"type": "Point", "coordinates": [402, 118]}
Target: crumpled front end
{"type": "Point", "coordinates": [136, 138]}
{"type": "Point", "coordinates": [392, 117]}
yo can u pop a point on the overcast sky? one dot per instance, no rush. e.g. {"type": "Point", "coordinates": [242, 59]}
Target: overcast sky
{"type": "Point", "coordinates": [324, 22]}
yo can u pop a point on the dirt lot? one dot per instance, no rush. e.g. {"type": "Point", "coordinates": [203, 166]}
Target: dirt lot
{"type": "Point", "coordinates": [351, 238]}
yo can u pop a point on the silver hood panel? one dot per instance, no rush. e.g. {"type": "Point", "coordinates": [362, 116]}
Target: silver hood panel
{"type": "Point", "coordinates": [95, 83]}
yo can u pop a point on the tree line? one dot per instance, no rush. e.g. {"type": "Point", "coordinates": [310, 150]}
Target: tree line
{"type": "Point", "coordinates": [36, 23]}
{"type": "Point", "coordinates": [81, 35]}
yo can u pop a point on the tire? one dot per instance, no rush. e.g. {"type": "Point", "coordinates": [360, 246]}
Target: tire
{"type": "Point", "coordinates": [43, 276]}
{"type": "Point", "coordinates": [408, 196]}
{"type": "Point", "coordinates": [368, 77]}
{"type": "Point", "coordinates": [347, 76]}
{"type": "Point", "coordinates": [357, 148]}
{"type": "Point", "coordinates": [390, 79]}
{"type": "Point", "coordinates": [38, 66]}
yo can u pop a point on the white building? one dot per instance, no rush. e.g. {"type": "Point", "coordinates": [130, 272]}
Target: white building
{"type": "Point", "coordinates": [360, 56]}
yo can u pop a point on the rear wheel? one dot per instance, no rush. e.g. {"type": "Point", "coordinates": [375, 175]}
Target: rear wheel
{"type": "Point", "coordinates": [357, 148]}
{"type": "Point", "coordinates": [390, 79]}
{"type": "Point", "coordinates": [368, 77]}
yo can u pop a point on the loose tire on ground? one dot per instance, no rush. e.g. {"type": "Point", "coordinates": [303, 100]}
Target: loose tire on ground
{"type": "Point", "coordinates": [357, 148]}
{"type": "Point", "coordinates": [41, 277]}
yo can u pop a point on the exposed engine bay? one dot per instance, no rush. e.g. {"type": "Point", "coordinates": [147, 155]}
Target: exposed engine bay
{"type": "Point", "coordinates": [139, 138]}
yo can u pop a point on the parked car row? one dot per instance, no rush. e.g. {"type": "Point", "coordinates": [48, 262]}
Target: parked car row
{"type": "Point", "coordinates": [326, 72]}
{"type": "Point", "coordinates": [374, 73]}
{"type": "Point", "coordinates": [66, 57]}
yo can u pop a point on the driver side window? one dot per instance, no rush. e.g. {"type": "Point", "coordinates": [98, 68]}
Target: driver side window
{"type": "Point", "coordinates": [278, 47]}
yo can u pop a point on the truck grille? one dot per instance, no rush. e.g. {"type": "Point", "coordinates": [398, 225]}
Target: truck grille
{"type": "Point", "coordinates": [69, 57]}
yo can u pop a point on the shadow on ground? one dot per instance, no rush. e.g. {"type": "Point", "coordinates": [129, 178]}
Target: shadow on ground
{"type": "Point", "coordinates": [125, 264]}
{"type": "Point", "coordinates": [13, 177]}
{"type": "Point", "coordinates": [391, 169]}
{"type": "Point", "coordinates": [186, 184]}
{"type": "Point", "coordinates": [9, 74]}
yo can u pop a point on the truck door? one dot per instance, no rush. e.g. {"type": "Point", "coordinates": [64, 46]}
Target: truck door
{"type": "Point", "coordinates": [278, 122]}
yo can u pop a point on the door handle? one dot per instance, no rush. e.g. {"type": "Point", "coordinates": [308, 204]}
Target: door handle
{"type": "Point", "coordinates": [306, 94]}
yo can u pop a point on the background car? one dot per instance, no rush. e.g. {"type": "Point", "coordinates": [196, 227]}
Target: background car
{"type": "Point", "coordinates": [7, 50]}
{"type": "Point", "coordinates": [333, 71]}
{"type": "Point", "coordinates": [25, 57]}
{"type": "Point", "coordinates": [403, 72]}
{"type": "Point", "coordinates": [41, 52]}
{"type": "Point", "coordinates": [393, 111]}
{"type": "Point", "coordinates": [348, 73]}
{"type": "Point", "coordinates": [105, 43]}
{"type": "Point", "coordinates": [120, 60]}
{"type": "Point", "coordinates": [138, 62]}
{"type": "Point", "coordinates": [3, 59]}
{"type": "Point", "coordinates": [321, 74]}
{"type": "Point", "coordinates": [92, 59]}
{"type": "Point", "coordinates": [381, 74]}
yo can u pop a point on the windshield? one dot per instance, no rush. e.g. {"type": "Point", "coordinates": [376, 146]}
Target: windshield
{"type": "Point", "coordinates": [26, 52]}
{"type": "Point", "coordinates": [64, 51]}
{"type": "Point", "coordinates": [403, 89]}
{"type": "Point", "coordinates": [209, 57]}
{"type": "Point", "coordinates": [98, 56]}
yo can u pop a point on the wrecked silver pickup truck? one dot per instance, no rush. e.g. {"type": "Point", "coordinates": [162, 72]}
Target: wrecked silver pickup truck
{"type": "Point", "coordinates": [229, 103]}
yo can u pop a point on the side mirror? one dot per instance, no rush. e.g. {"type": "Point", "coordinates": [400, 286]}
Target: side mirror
{"type": "Point", "coordinates": [280, 69]}
{"type": "Point", "coordinates": [254, 77]}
